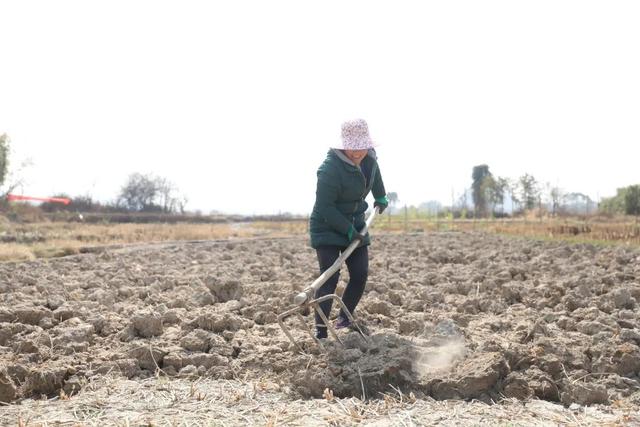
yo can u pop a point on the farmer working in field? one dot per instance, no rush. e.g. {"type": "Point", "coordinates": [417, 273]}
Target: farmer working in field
{"type": "Point", "coordinates": [345, 178]}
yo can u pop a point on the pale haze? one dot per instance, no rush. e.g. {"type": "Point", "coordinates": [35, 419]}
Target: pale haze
{"type": "Point", "coordinates": [237, 102]}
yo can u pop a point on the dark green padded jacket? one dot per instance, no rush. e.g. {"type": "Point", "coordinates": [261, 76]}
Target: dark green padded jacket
{"type": "Point", "coordinates": [340, 198]}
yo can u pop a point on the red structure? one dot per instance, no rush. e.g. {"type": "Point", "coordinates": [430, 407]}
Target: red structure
{"type": "Point", "coordinates": [63, 200]}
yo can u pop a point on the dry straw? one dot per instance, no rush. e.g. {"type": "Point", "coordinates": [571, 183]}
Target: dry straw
{"type": "Point", "coordinates": [160, 401]}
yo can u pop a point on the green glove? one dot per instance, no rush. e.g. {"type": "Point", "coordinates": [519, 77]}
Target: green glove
{"type": "Point", "coordinates": [381, 203]}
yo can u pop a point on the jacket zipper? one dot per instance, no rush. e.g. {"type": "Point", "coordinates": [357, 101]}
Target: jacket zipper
{"type": "Point", "coordinates": [355, 208]}
{"type": "Point", "coordinates": [373, 174]}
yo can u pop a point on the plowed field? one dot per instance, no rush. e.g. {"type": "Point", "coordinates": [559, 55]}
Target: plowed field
{"type": "Point", "coordinates": [496, 328]}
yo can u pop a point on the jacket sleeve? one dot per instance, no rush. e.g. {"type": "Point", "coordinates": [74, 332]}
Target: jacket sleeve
{"type": "Point", "coordinates": [378, 189]}
{"type": "Point", "coordinates": [326, 198]}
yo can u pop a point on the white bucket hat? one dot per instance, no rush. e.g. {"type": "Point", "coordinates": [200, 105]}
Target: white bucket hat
{"type": "Point", "coordinates": [355, 136]}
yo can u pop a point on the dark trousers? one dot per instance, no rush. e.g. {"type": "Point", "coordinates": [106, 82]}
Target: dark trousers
{"type": "Point", "coordinates": [358, 265]}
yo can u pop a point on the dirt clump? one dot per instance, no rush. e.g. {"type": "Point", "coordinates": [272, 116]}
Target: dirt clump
{"type": "Point", "coordinates": [47, 381]}
{"type": "Point", "coordinates": [451, 316]}
{"type": "Point", "coordinates": [8, 390]}
{"type": "Point", "coordinates": [474, 378]}
{"type": "Point", "coordinates": [147, 325]}
{"type": "Point", "coordinates": [224, 289]}
{"type": "Point", "coordinates": [127, 368]}
{"type": "Point", "coordinates": [360, 368]}
{"type": "Point", "coordinates": [31, 315]}
{"type": "Point", "coordinates": [148, 357]}
{"type": "Point", "coordinates": [72, 336]}
{"type": "Point", "coordinates": [583, 394]}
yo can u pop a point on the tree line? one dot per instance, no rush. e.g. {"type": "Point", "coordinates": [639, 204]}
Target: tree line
{"type": "Point", "coordinates": [140, 192]}
{"type": "Point", "coordinates": [490, 192]}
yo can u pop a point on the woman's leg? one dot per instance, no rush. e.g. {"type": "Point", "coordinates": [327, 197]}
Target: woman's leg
{"type": "Point", "coordinates": [358, 265]}
{"type": "Point", "coordinates": [327, 255]}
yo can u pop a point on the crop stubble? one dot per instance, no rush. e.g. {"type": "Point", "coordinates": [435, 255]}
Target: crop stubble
{"type": "Point", "coordinates": [454, 316]}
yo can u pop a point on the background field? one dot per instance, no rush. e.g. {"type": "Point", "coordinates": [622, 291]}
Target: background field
{"type": "Point", "coordinates": [40, 236]}
{"type": "Point", "coordinates": [467, 328]}
{"type": "Point", "coordinates": [160, 310]}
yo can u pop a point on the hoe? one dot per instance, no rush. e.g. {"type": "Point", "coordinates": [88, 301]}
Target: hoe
{"type": "Point", "coordinates": [306, 299]}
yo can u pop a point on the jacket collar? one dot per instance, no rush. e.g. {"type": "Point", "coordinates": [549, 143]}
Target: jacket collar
{"type": "Point", "coordinates": [371, 153]}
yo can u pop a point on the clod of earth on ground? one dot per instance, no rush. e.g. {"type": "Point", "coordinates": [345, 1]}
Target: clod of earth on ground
{"type": "Point", "coordinates": [452, 316]}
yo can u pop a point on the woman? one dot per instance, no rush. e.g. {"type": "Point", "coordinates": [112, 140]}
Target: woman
{"type": "Point", "coordinates": [347, 175]}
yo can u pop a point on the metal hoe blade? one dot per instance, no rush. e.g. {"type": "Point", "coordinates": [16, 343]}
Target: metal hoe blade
{"type": "Point", "coordinates": [297, 311]}
{"type": "Point", "coordinates": [305, 299]}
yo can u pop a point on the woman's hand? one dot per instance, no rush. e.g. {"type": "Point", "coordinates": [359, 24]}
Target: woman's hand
{"type": "Point", "coordinates": [354, 234]}
{"type": "Point", "coordinates": [381, 206]}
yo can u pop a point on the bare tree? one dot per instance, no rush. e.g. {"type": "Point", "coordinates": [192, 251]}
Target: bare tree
{"type": "Point", "coordinates": [166, 194]}
{"type": "Point", "coordinates": [4, 157]}
{"type": "Point", "coordinates": [632, 200]}
{"type": "Point", "coordinates": [181, 202]}
{"type": "Point", "coordinates": [490, 193]}
{"type": "Point", "coordinates": [393, 200]}
{"type": "Point", "coordinates": [9, 179]}
{"type": "Point", "coordinates": [501, 189]}
{"type": "Point", "coordinates": [513, 188]}
{"type": "Point", "coordinates": [463, 204]}
{"type": "Point", "coordinates": [479, 187]}
{"type": "Point", "coordinates": [149, 193]}
{"type": "Point", "coordinates": [556, 196]}
{"type": "Point", "coordinates": [139, 193]}
{"type": "Point", "coordinates": [529, 191]}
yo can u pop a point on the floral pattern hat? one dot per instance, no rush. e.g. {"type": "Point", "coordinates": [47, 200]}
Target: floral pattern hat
{"type": "Point", "coordinates": [355, 136]}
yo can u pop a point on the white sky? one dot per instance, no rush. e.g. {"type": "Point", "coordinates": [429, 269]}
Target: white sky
{"type": "Point", "coordinates": [236, 102]}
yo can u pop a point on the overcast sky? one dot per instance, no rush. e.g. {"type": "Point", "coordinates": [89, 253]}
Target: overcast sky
{"type": "Point", "coordinates": [236, 102]}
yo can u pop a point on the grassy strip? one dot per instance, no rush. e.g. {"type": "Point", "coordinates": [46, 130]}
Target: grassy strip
{"type": "Point", "coordinates": [45, 240]}
{"type": "Point", "coordinates": [20, 242]}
